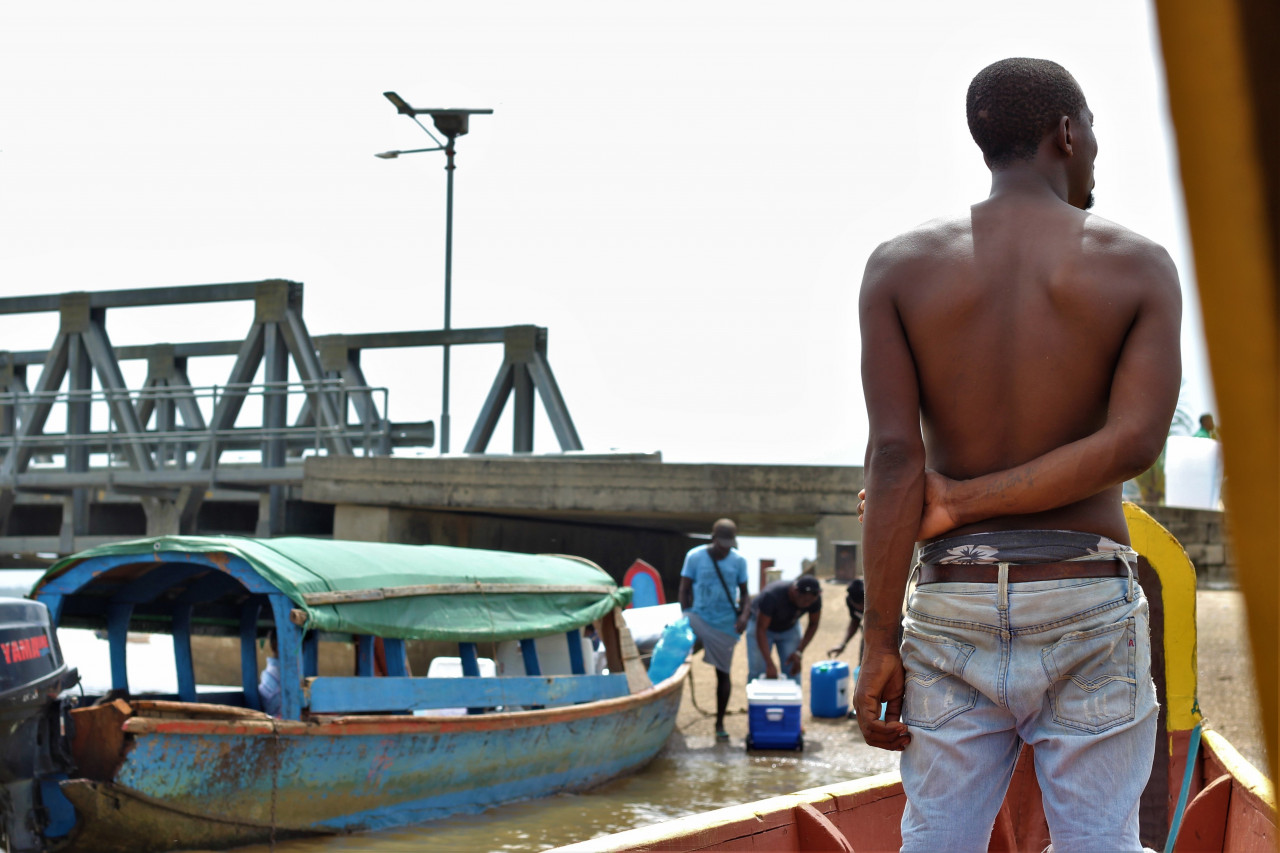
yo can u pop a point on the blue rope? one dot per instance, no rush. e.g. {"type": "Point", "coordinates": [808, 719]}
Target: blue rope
{"type": "Point", "coordinates": [1192, 750]}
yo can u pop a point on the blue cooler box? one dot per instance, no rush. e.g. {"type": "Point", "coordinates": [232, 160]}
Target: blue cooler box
{"type": "Point", "coordinates": [773, 706]}
{"type": "Point", "coordinates": [829, 689]}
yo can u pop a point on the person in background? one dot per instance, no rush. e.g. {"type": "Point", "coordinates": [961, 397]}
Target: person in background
{"type": "Point", "coordinates": [269, 682]}
{"type": "Point", "coordinates": [713, 593]}
{"type": "Point", "coordinates": [1208, 429]}
{"type": "Point", "coordinates": [775, 622]}
{"type": "Point", "coordinates": [854, 600]}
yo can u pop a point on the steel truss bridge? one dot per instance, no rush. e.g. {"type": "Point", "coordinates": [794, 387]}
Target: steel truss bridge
{"type": "Point", "coordinates": [203, 458]}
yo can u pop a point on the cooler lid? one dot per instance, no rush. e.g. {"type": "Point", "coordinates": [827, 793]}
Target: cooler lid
{"type": "Point", "coordinates": [778, 691]}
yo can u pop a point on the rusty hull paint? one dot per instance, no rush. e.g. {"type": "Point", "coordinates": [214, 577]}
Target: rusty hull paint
{"type": "Point", "coordinates": [220, 783]}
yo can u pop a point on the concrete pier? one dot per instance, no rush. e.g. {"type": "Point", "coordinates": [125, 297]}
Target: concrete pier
{"type": "Point", "coordinates": [609, 510]}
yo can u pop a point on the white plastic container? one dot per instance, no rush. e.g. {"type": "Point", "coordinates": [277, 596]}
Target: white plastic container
{"type": "Point", "coordinates": [446, 667]}
{"type": "Point", "coordinates": [553, 656]}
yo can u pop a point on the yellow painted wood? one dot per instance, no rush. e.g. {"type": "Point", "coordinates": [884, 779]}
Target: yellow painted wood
{"type": "Point", "coordinates": [1245, 774]}
{"type": "Point", "coordinates": [1178, 587]}
{"type": "Point", "coordinates": [1214, 105]}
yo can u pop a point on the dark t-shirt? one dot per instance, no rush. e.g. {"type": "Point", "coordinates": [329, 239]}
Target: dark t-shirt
{"type": "Point", "coordinates": [774, 602]}
{"type": "Point", "coordinates": [855, 598]}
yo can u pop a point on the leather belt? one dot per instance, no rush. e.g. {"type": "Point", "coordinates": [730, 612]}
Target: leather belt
{"type": "Point", "coordinates": [990, 572]}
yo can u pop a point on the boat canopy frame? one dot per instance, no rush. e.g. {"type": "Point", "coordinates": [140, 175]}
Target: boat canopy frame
{"type": "Point", "coordinates": [308, 588]}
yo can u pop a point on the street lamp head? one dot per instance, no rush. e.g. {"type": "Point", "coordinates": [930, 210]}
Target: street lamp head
{"type": "Point", "coordinates": [449, 121]}
{"type": "Point", "coordinates": [453, 122]}
{"type": "Point", "coordinates": [387, 155]}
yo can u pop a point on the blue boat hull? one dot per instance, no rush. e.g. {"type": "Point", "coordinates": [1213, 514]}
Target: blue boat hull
{"type": "Point", "coordinates": [199, 782]}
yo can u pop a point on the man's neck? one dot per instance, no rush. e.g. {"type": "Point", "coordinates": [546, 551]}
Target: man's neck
{"type": "Point", "coordinates": [1027, 181]}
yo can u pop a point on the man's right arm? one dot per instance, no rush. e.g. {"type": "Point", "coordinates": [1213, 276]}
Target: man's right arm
{"type": "Point", "coordinates": [762, 643]}
{"type": "Point", "coordinates": [686, 594]}
{"type": "Point", "coordinates": [1144, 394]}
{"type": "Point", "coordinates": [686, 584]}
{"type": "Point", "coordinates": [894, 472]}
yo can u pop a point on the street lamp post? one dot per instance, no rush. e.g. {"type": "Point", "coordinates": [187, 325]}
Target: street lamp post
{"type": "Point", "coordinates": [452, 123]}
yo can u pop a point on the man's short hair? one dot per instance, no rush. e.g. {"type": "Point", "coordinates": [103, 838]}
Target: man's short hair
{"type": "Point", "coordinates": [1013, 103]}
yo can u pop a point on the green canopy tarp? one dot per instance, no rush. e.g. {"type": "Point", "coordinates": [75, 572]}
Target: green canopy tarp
{"type": "Point", "coordinates": [418, 592]}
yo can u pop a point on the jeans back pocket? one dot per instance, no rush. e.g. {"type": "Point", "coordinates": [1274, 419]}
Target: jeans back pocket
{"type": "Point", "coordinates": [1092, 677]}
{"type": "Point", "coordinates": [935, 691]}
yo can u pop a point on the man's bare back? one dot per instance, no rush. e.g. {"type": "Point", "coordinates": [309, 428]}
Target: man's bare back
{"type": "Point", "coordinates": [1016, 317]}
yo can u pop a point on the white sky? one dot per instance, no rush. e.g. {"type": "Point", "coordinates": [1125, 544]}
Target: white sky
{"type": "Point", "coordinates": [683, 193]}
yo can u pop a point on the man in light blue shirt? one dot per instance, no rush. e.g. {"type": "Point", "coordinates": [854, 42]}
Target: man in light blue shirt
{"type": "Point", "coordinates": [713, 593]}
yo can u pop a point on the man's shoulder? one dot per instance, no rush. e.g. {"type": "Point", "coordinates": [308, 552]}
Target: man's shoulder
{"type": "Point", "coordinates": [914, 252]}
{"type": "Point", "coordinates": [692, 556]}
{"type": "Point", "coordinates": [772, 594]}
{"type": "Point", "coordinates": [926, 241]}
{"type": "Point", "coordinates": [1111, 242]}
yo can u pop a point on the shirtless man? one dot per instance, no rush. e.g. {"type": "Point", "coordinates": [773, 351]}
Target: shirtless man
{"type": "Point", "coordinates": [1027, 353]}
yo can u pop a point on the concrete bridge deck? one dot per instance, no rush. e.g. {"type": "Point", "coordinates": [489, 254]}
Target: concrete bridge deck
{"type": "Point", "coordinates": [612, 510]}
{"type": "Point", "coordinates": [765, 500]}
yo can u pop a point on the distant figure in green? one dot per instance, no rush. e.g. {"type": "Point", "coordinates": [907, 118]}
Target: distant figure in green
{"type": "Point", "coordinates": [1208, 429]}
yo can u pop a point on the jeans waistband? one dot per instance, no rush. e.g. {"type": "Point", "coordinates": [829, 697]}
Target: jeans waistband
{"type": "Point", "coordinates": [1023, 546]}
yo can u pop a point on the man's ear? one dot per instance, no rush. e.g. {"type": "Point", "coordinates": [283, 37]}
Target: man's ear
{"type": "Point", "coordinates": [1062, 135]}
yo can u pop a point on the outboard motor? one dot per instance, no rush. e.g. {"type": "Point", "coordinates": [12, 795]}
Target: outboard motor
{"type": "Point", "coordinates": [34, 735]}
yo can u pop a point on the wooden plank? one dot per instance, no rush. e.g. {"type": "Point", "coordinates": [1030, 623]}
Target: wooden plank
{"type": "Point", "coordinates": [182, 661]}
{"type": "Point", "coordinates": [576, 665]}
{"type": "Point", "coordinates": [364, 655]}
{"type": "Point", "coordinates": [354, 595]}
{"type": "Point", "coordinates": [118, 616]}
{"type": "Point", "coordinates": [334, 695]}
{"type": "Point", "coordinates": [97, 739]}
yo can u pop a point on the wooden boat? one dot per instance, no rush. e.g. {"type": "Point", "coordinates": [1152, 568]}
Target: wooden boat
{"type": "Point", "coordinates": [347, 753]}
{"type": "Point", "coordinates": [1198, 782]}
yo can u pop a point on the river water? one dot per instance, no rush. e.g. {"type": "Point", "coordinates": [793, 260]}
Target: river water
{"type": "Point", "coordinates": [680, 781]}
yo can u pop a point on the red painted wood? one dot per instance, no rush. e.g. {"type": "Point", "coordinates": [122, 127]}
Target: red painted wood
{"type": "Point", "coordinates": [1204, 824]}
{"type": "Point", "coordinates": [817, 833]}
{"type": "Point", "coordinates": [1251, 824]}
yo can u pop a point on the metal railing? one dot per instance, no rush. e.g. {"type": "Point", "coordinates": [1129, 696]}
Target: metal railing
{"type": "Point", "coordinates": [174, 446]}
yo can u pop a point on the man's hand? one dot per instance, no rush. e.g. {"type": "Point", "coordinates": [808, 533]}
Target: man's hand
{"type": "Point", "coordinates": [794, 661]}
{"type": "Point", "coordinates": [741, 624]}
{"type": "Point", "coordinates": [770, 671]}
{"type": "Point", "coordinates": [882, 679]}
{"type": "Point", "coordinates": [938, 516]}
{"type": "Point", "coordinates": [835, 651]}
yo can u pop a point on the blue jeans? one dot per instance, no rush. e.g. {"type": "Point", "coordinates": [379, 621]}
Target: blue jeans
{"type": "Point", "coordinates": [785, 642]}
{"type": "Point", "coordinates": [1062, 665]}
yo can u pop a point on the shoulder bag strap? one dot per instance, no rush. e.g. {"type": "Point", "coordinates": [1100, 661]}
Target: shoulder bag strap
{"type": "Point", "coordinates": [719, 576]}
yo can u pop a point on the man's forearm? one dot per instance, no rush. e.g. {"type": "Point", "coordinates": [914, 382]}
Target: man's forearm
{"type": "Point", "coordinates": [895, 497]}
{"type": "Point", "coordinates": [762, 634]}
{"type": "Point", "coordinates": [809, 631]}
{"type": "Point", "coordinates": [1061, 477]}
